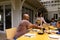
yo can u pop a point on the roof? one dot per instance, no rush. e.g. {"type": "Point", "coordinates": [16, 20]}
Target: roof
{"type": "Point", "coordinates": [37, 4]}
{"type": "Point", "coordinates": [34, 3]}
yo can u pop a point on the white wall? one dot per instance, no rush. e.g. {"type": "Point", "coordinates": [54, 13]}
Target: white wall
{"type": "Point", "coordinates": [50, 14]}
{"type": "Point", "coordinates": [52, 9]}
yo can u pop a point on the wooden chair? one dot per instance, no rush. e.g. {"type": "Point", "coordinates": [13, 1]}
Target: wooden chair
{"type": "Point", "coordinates": [10, 33]}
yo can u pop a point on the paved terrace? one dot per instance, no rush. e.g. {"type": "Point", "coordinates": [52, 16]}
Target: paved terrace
{"type": "Point", "coordinates": [2, 36]}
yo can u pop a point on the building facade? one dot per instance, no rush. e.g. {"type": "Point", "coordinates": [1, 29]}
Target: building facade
{"type": "Point", "coordinates": [53, 7]}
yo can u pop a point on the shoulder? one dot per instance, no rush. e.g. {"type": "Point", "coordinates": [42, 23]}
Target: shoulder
{"type": "Point", "coordinates": [25, 21]}
{"type": "Point", "coordinates": [42, 18]}
{"type": "Point", "coordinates": [38, 17]}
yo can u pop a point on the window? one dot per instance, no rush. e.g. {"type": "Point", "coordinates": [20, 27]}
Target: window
{"type": "Point", "coordinates": [56, 1]}
{"type": "Point", "coordinates": [0, 17]}
{"type": "Point", "coordinates": [56, 16]}
{"type": "Point", "coordinates": [51, 1]}
{"type": "Point", "coordinates": [53, 4]}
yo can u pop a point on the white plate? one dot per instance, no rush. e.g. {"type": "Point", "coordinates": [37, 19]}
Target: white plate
{"type": "Point", "coordinates": [59, 39]}
{"type": "Point", "coordinates": [29, 35]}
{"type": "Point", "coordinates": [53, 30]}
{"type": "Point", "coordinates": [36, 30]}
{"type": "Point", "coordinates": [54, 36]}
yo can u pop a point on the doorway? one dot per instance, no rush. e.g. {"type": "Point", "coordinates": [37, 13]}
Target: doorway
{"type": "Point", "coordinates": [5, 17]}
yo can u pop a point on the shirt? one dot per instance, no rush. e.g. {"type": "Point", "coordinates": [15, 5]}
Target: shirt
{"type": "Point", "coordinates": [22, 28]}
{"type": "Point", "coordinates": [41, 20]}
{"type": "Point", "coordinates": [53, 23]}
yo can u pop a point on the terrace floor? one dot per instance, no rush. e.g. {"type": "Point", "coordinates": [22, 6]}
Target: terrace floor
{"type": "Point", "coordinates": [2, 36]}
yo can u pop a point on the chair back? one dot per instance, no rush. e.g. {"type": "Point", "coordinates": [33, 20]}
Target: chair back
{"type": "Point", "coordinates": [10, 33]}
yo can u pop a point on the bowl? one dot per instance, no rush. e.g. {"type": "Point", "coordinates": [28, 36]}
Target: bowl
{"type": "Point", "coordinates": [40, 33]}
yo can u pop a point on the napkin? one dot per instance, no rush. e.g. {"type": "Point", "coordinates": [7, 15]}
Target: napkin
{"type": "Point", "coordinates": [29, 35]}
{"type": "Point", "coordinates": [54, 36]}
{"type": "Point", "coordinates": [36, 30]}
{"type": "Point", "coordinates": [53, 30]}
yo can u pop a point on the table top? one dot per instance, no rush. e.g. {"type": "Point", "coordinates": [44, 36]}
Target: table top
{"type": "Point", "coordinates": [36, 36]}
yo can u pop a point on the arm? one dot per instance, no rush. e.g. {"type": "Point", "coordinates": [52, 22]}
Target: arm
{"type": "Point", "coordinates": [43, 20]}
{"type": "Point", "coordinates": [34, 26]}
{"type": "Point", "coordinates": [30, 25]}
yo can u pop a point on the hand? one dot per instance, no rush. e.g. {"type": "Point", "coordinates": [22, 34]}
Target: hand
{"type": "Point", "coordinates": [40, 26]}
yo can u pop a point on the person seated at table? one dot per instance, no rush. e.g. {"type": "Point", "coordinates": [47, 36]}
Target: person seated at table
{"type": "Point", "coordinates": [53, 23]}
{"type": "Point", "coordinates": [24, 26]}
{"type": "Point", "coordinates": [40, 20]}
{"type": "Point", "coordinates": [58, 26]}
